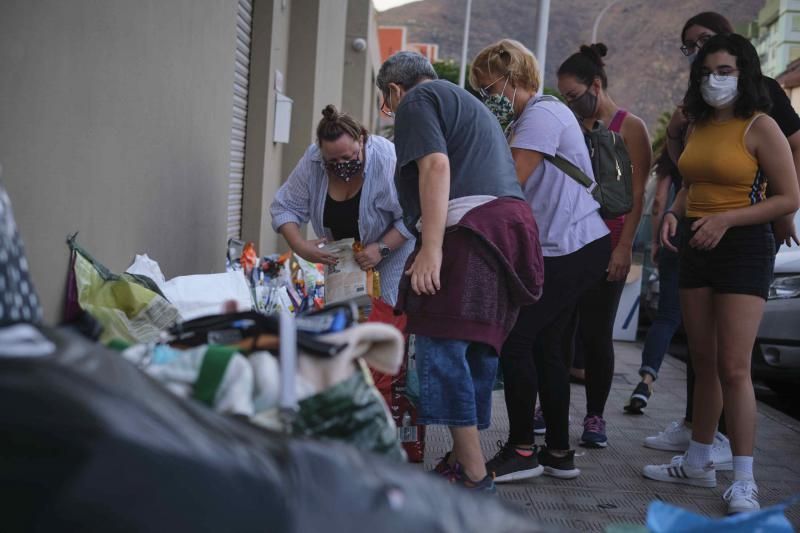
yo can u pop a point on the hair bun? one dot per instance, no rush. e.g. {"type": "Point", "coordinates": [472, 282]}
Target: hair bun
{"type": "Point", "coordinates": [330, 112]}
{"type": "Point", "coordinates": [600, 48]}
{"type": "Point", "coordinates": [596, 52]}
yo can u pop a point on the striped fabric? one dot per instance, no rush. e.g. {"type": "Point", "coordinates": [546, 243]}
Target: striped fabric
{"type": "Point", "coordinates": [302, 199]}
{"type": "Point", "coordinates": [677, 471]}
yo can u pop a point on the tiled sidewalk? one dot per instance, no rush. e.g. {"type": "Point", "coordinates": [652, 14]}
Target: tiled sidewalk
{"type": "Point", "coordinates": [611, 489]}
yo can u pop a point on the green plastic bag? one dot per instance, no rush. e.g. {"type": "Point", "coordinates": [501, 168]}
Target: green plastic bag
{"type": "Point", "coordinates": [351, 411]}
{"type": "Point", "coordinates": [128, 306]}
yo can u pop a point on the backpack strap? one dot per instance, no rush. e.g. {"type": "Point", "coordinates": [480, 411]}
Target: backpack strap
{"type": "Point", "coordinates": [570, 170]}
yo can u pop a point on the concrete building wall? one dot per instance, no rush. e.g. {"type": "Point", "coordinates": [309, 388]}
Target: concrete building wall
{"type": "Point", "coordinates": [264, 157]}
{"type": "Point", "coordinates": [315, 73]}
{"type": "Point", "coordinates": [778, 41]}
{"type": "Point", "coordinates": [116, 122]}
{"type": "Point", "coordinates": [359, 94]}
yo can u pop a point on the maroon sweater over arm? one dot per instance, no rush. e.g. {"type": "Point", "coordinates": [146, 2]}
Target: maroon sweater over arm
{"type": "Point", "coordinates": [492, 266]}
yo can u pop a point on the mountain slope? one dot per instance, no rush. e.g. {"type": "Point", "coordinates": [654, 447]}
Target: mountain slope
{"type": "Point", "coordinates": [647, 72]}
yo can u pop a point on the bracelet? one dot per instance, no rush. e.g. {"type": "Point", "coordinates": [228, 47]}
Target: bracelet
{"type": "Point", "coordinates": [670, 212]}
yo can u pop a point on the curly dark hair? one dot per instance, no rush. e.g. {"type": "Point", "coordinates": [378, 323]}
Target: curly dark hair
{"type": "Point", "coordinates": [664, 166]}
{"type": "Point", "coordinates": [753, 94]}
{"type": "Point", "coordinates": [586, 64]}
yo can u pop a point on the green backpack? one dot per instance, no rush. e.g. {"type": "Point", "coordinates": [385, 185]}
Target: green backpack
{"type": "Point", "coordinates": [612, 169]}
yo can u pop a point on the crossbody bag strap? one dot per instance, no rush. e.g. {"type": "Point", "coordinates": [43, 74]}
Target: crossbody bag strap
{"type": "Point", "coordinates": [570, 170]}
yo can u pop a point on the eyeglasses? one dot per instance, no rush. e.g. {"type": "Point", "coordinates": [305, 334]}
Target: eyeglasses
{"type": "Point", "coordinates": [691, 47]}
{"type": "Point", "coordinates": [484, 91]}
{"type": "Point", "coordinates": [722, 72]}
{"type": "Point", "coordinates": [385, 109]}
{"type": "Point", "coordinates": [331, 165]}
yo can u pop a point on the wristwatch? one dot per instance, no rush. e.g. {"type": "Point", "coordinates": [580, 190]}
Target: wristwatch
{"type": "Point", "coordinates": [384, 250]}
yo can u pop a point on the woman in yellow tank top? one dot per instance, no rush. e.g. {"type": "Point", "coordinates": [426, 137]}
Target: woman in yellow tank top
{"type": "Point", "coordinates": [727, 251]}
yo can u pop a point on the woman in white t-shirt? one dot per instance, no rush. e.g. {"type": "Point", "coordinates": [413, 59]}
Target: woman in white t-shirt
{"type": "Point", "coordinates": [576, 248]}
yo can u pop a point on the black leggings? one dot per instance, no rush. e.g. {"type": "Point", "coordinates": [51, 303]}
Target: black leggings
{"type": "Point", "coordinates": [536, 343]}
{"type": "Point", "coordinates": [594, 343]}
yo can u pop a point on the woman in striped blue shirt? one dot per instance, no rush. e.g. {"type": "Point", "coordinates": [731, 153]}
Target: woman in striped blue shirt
{"type": "Point", "coordinates": [344, 185]}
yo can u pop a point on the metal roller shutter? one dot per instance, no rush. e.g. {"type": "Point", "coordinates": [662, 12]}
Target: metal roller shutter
{"type": "Point", "coordinates": [244, 26]}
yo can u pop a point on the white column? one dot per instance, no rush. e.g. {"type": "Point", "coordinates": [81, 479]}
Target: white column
{"type": "Point", "coordinates": [542, 24]}
{"type": "Point", "coordinates": [462, 71]}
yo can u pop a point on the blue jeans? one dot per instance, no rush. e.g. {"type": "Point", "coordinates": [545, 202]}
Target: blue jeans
{"type": "Point", "coordinates": [668, 317]}
{"type": "Point", "coordinates": [455, 382]}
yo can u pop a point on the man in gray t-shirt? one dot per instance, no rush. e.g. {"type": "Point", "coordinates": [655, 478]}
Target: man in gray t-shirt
{"type": "Point", "coordinates": [451, 149]}
{"type": "Point", "coordinates": [439, 117]}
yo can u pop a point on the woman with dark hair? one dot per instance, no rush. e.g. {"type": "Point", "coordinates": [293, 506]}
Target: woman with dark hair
{"type": "Point", "coordinates": [344, 185]}
{"type": "Point", "coordinates": [583, 82]}
{"type": "Point", "coordinates": [699, 29]}
{"type": "Point", "coordinates": [727, 251]}
{"type": "Point", "coordinates": [695, 33]}
{"type": "Point", "coordinates": [668, 316]}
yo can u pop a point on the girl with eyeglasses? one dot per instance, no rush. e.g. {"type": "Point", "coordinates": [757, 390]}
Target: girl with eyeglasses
{"type": "Point", "coordinates": [344, 186]}
{"type": "Point", "coordinates": [727, 251]}
{"type": "Point", "coordinates": [694, 34]}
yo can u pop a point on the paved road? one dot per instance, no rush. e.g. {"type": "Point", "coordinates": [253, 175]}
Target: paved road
{"type": "Point", "coordinates": [611, 489]}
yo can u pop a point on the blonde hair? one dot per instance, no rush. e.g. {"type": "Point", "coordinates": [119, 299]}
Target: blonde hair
{"type": "Point", "coordinates": [506, 57]}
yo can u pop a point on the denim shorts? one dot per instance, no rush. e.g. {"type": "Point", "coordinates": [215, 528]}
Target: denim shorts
{"type": "Point", "coordinates": [455, 382]}
{"type": "Point", "coordinates": [741, 263]}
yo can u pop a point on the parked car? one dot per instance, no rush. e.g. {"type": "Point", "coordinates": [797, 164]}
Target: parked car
{"type": "Point", "coordinates": [776, 354]}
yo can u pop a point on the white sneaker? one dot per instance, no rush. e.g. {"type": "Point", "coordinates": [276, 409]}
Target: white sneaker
{"type": "Point", "coordinates": [721, 454]}
{"type": "Point", "coordinates": [679, 472]}
{"type": "Point", "coordinates": [673, 439]}
{"type": "Point", "coordinates": [742, 497]}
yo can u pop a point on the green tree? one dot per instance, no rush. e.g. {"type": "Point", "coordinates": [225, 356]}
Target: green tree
{"type": "Point", "coordinates": [660, 132]}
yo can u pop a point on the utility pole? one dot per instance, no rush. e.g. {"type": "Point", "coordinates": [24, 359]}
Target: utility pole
{"type": "Point", "coordinates": [462, 72]}
{"type": "Point", "coordinates": [542, 25]}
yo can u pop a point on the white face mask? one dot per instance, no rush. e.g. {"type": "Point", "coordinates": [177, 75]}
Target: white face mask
{"type": "Point", "coordinates": [719, 91]}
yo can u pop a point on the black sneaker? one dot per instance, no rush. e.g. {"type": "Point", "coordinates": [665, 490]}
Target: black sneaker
{"type": "Point", "coordinates": [443, 467]}
{"type": "Point", "coordinates": [508, 465]}
{"type": "Point", "coordinates": [638, 399]}
{"type": "Point", "coordinates": [560, 467]}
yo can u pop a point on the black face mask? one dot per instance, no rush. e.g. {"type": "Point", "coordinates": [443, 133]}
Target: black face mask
{"type": "Point", "coordinates": [346, 170]}
{"type": "Point", "coordinates": [585, 105]}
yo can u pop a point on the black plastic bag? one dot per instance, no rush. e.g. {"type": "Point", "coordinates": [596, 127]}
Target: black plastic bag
{"type": "Point", "coordinates": [88, 442]}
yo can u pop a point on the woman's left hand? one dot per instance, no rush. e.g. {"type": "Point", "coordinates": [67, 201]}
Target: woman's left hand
{"type": "Point", "coordinates": [620, 263]}
{"type": "Point", "coordinates": [369, 257]}
{"type": "Point", "coordinates": [709, 231]}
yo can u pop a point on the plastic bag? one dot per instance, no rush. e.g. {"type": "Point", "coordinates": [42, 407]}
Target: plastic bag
{"type": "Point", "coordinates": [93, 444]}
{"type": "Point", "coordinates": [128, 306]}
{"type": "Point", "coordinates": [401, 391]}
{"type": "Point", "coordinates": [384, 313]}
{"type": "Point", "coordinates": [351, 411]}
{"type": "Point", "coordinates": [665, 518]}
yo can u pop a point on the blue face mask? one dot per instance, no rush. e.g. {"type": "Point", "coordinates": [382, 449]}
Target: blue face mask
{"type": "Point", "coordinates": [691, 57]}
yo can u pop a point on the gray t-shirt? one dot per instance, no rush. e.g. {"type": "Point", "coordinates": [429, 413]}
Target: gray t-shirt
{"type": "Point", "coordinates": [565, 211]}
{"type": "Point", "coordinates": [438, 116]}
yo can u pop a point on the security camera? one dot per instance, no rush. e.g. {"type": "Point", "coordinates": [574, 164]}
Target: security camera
{"type": "Point", "coordinates": [359, 44]}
